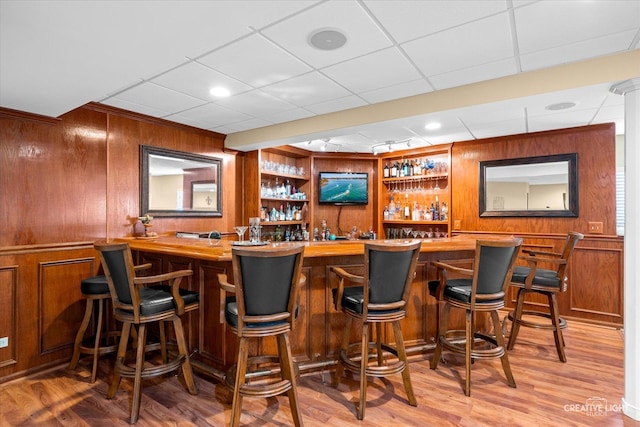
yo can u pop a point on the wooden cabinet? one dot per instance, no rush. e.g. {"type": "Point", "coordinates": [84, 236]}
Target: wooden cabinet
{"type": "Point", "coordinates": [284, 193]}
{"type": "Point", "coordinates": [415, 193]}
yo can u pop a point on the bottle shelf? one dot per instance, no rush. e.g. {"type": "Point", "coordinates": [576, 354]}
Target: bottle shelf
{"type": "Point", "coordinates": [266, 223]}
{"type": "Point", "coordinates": [283, 199]}
{"type": "Point", "coordinates": [284, 175]}
{"type": "Point", "coordinates": [408, 221]}
{"type": "Point", "coordinates": [416, 178]}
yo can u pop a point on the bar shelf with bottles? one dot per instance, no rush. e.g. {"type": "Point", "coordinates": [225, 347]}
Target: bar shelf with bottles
{"type": "Point", "coordinates": [415, 193]}
{"type": "Point", "coordinates": [284, 206]}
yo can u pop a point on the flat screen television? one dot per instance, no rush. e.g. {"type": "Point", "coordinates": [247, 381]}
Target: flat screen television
{"type": "Point", "coordinates": [343, 188]}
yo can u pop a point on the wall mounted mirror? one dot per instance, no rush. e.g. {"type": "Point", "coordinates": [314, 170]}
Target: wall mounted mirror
{"type": "Point", "coordinates": [175, 183]}
{"type": "Point", "coordinates": [531, 186]}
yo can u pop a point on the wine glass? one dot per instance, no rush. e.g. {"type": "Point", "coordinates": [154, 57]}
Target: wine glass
{"type": "Point", "coordinates": [240, 229]}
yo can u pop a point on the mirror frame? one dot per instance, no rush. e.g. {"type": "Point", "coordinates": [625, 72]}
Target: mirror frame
{"type": "Point", "coordinates": [145, 152]}
{"type": "Point", "coordinates": [571, 211]}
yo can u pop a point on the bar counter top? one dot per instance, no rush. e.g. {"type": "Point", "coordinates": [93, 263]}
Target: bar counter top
{"type": "Point", "coordinates": [220, 250]}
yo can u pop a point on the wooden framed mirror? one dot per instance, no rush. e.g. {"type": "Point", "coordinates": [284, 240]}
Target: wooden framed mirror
{"type": "Point", "coordinates": [175, 183]}
{"type": "Point", "coordinates": [545, 186]}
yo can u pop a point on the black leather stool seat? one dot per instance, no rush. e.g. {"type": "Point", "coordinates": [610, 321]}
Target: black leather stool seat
{"type": "Point", "coordinates": [543, 277]}
{"type": "Point", "coordinates": [96, 293]}
{"type": "Point", "coordinates": [94, 285]}
{"type": "Point", "coordinates": [156, 299]}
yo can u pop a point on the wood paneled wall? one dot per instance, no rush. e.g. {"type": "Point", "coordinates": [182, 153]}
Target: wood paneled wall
{"type": "Point", "coordinates": [595, 146]}
{"type": "Point", "coordinates": [65, 183]}
{"type": "Point", "coordinates": [362, 217]}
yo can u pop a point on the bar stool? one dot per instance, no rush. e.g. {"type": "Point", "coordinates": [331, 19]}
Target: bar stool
{"type": "Point", "coordinates": [264, 304]}
{"type": "Point", "coordinates": [96, 292]}
{"type": "Point", "coordinates": [378, 297]}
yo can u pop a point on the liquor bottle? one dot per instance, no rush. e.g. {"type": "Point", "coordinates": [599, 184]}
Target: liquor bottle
{"type": "Point", "coordinates": [287, 189]}
{"type": "Point", "coordinates": [407, 210]}
{"type": "Point", "coordinates": [385, 171]}
{"type": "Point", "coordinates": [405, 168]}
{"type": "Point", "coordinates": [410, 168]}
{"type": "Point", "coordinates": [417, 169]}
{"type": "Point", "coordinates": [445, 211]}
{"type": "Point", "coordinates": [433, 212]}
{"type": "Point", "coordinates": [385, 214]}
{"type": "Point", "coordinates": [394, 170]}
{"type": "Point", "coordinates": [437, 217]}
{"type": "Point", "coordinates": [392, 209]}
{"type": "Point", "coordinates": [416, 212]}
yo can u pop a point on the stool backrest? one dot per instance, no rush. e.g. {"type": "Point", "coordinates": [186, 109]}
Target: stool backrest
{"type": "Point", "coordinates": [118, 267]}
{"type": "Point", "coordinates": [569, 246]}
{"type": "Point", "coordinates": [266, 281]}
{"type": "Point", "coordinates": [493, 266]}
{"type": "Point", "coordinates": [390, 269]}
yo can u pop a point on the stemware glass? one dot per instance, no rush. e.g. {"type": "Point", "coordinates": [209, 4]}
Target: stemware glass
{"type": "Point", "coordinates": [422, 234]}
{"type": "Point", "coordinates": [406, 231]}
{"type": "Point", "coordinates": [414, 234]}
{"type": "Point", "coordinates": [240, 230]}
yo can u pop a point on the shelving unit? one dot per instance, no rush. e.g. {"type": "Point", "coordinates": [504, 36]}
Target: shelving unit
{"type": "Point", "coordinates": [278, 166]}
{"type": "Point", "coordinates": [417, 190]}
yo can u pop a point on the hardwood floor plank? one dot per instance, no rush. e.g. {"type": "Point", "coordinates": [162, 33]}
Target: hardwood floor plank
{"type": "Point", "coordinates": [548, 393]}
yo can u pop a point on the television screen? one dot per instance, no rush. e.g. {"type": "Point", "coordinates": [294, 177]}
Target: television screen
{"type": "Point", "coordinates": [343, 188]}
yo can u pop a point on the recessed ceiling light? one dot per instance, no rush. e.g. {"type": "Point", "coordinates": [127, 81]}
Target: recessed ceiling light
{"type": "Point", "coordinates": [560, 106]}
{"type": "Point", "coordinates": [432, 126]}
{"type": "Point", "coordinates": [327, 39]}
{"type": "Point", "coordinates": [219, 92]}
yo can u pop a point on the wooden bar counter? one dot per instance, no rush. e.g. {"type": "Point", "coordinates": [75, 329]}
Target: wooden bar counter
{"type": "Point", "coordinates": [317, 330]}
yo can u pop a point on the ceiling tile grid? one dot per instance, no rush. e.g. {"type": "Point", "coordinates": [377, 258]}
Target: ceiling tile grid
{"type": "Point", "coordinates": [260, 51]}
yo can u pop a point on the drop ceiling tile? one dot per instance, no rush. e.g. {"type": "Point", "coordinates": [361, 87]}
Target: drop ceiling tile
{"type": "Point", "coordinates": [477, 73]}
{"type": "Point", "coordinates": [415, 19]}
{"type": "Point", "coordinates": [311, 88]}
{"type": "Point", "coordinates": [591, 97]}
{"type": "Point", "coordinates": [289, 115]}
{"type": "Point", "coordinates": [387, 131]}
{"type": "Point", "coordinates": [256, 103]}
{"type": "Point", "coordinates": [363, 36]}
{"type": "Point", "coordinates": [132, 106]}
{"type": "Point", "coordinates": [255, 61]}
{"type": "Point", "coordinates": [402, 90]}
{"type": "Point", "coordinates": [484, 41]}
{"type": "Point", "coordinates": [210, 115]}
{"type": "Point", "coordinates": [196, 80]}
{"type": "Point", "coordinates": [561, 119]}
{"type": "Point", "coordinates": [494, 128]}
{"type": "Point", "coordinates": [376, 70]}
{"type": "Point", "coordinates": [159, 97]}
{"type": "Point", "coordinates": [567, 22]}
{"type": "Point", "coordinates": [248, 124]}
{"type": "Point", "coordinates": [572, 52]}
{"type": "Point", "coordinates": [338, 104]}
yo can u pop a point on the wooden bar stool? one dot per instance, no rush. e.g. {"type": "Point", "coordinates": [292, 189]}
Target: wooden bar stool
{"type": "Point", "coordinates": [96, 292]}
{"type": "Point", "coordinates": [265, 304]}
{"type": "Point", "coordinates": [378, 297]}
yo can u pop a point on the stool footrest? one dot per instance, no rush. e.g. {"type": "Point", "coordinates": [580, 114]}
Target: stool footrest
{"type": "Point", "coordinates": [151, 371]}
{"type": "Point", "coordinates": [537, 325]}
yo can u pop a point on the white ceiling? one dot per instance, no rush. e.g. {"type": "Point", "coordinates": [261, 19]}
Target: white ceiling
{"type": "Point", "coordinates": [161, 58]}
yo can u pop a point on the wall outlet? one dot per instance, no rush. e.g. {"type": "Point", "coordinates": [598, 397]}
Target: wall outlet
{"type": "Point", "coordinates": [595, 227]}
{"type": "Point", "coordinates": [457, 224]}
{"type": "Point", "coordinates": [4, 342]}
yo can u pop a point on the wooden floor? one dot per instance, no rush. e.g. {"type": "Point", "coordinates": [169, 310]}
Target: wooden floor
{"type": "Point", "coordinates": [548, 393]}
